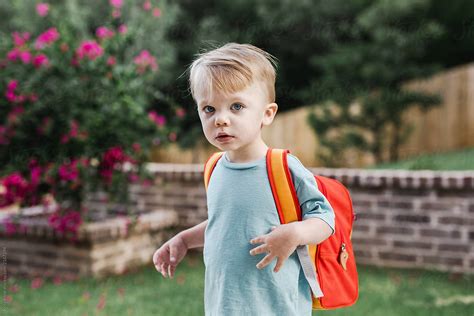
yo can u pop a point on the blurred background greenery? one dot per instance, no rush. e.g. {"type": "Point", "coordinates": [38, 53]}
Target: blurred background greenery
{"type": "Point", "coordinates": [330, 52]}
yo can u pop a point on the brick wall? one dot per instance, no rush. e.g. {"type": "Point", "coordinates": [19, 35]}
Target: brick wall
{"type": "Point", "coordinates": [405, 219]}
{"type": "Point", "coordinates": [421, 219]}
{"type": "Point", "coordinates": [110, 246]}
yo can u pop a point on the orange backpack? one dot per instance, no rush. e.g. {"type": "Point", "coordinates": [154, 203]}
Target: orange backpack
{"type": "Point", "coordinates": [329, 267]}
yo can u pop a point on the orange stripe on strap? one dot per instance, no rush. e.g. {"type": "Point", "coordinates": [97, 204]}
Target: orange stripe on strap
{"type": "Point", "coordinates": [282, 186]}
{"type": "Point", "coordinates": [209, 167]}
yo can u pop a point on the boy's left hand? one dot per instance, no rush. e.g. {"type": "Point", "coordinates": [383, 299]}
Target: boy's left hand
{"type": "Point", "coordinates": [281, 242]}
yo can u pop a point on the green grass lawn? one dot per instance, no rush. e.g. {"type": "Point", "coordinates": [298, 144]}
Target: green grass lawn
{"type": "Point", "coordinates": [459, 160]}
{"type": "Point", "coordinates": [382, 292]}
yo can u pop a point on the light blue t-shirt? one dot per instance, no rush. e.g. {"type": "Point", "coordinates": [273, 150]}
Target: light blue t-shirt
{"type": "Point", "coordinates": [240, 208]}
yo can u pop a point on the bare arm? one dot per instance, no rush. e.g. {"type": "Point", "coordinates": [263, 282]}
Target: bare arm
{"type": "Point", "coordinates": [194, 237]}
{"type": "Point", "coordinates": [170, 254]}
{"type": "Point", "coordinates": [312, 231]}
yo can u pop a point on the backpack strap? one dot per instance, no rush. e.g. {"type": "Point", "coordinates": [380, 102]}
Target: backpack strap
{"type": "Point", "coordinates": [210, 165]}
{"type": "Point", "coordinates": [283, 190]}
{"type": "Point", "coordinates": [288, 206]}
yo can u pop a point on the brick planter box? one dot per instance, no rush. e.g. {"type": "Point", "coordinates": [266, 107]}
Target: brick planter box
{"type": "Point", "coordinates": [109, 246]}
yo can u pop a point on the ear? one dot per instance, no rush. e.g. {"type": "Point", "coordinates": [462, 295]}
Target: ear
{"type": "Point", "coordinates": [269, 113]}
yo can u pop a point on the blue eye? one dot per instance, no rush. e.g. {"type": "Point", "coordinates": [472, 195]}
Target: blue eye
{"type": "Point", "coordinates": [207, 106]}
{"type": "Point", "coordinates": [239, 106]}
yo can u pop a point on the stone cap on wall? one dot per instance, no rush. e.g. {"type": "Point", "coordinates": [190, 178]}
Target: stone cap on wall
{"type": "Point", "coordinates": [366, 178]}
{"type": "Point", "coordinates": [107, 229]}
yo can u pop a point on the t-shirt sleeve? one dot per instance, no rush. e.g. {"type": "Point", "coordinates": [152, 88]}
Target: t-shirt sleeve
{"type": "Point", "coordinates": [312, 202]}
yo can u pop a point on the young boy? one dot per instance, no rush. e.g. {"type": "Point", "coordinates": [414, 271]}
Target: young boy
{"type": "Point", "coordinates": [234, 88]}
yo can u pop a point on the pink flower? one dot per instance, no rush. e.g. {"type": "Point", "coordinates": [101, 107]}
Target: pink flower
{"type": "Point", "coordinates": [69, 171]}
{"type": "Point", "coordinates": [42, 9]}
{"type": "Point", "coordinates": [40, 60]}
{"type": "Point", "coordinates": [12, 85]}
{"type": "Point", "coordinates": [14, 288]}
{"type": "Point", "coordinates": [90, 49]}
{"type": "Point", "coordinates": [147, 5]}
{"type": "Point", "coordinates": [136, 147]}
{"type": "Point", "coordinates": [180, 112]}
{"type": "Point", "coordinates": [133, 177]}
{"type": "Point", "coordinates": [146, 183]}
{"type": "Point", "coordinates": [68, 223]}
{"type": "Point", "coordinates": [8, 299]}
{"type": "Point", "coordinates": [122, 29]}
{"type": "Point", "coordinates": [111, 61]}
{"type": "Point", "coordinates": [14, 54]}
{"type": "Point", "coordinates": [156, 12]}
{"type": "Point", "coordinates": [116, 3]}
{"type": "Point", "coordinates": [20, 39]}
{"type": "Point", "coordinates": [10, 95]}
{"type": "Point", "coordinates": [25, 57]}
{"type": "Point", "coordinates": [103, 32]}
{"type": "Point", "coordinates": [16, 188]}
{"type": "Point", "coordinates": [36, 283]}
{"type": "Point", "coordinates": [57, 280]}
{"type": "Point", "coordinates": [112, 160]}
{"type": "Point", "coordinates": [106, 175]}
{"type": "Point", "coordinates": [116, 13]}
{"type": "Point", "coordinates": [17, 53]}
{"type": "Point", "coordinates": [35, 176]}
{"type": "Point", "coordinates": [9, 226]}
{"type": "Point", "coordinates": [50, 36]}
{"type": "Point", "coordinates": [159, 120]}
{"type": "Point", "coordinates": [145, 60]}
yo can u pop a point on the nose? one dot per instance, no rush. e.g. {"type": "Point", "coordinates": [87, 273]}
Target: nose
{"type": "Point", "coordinates": [221, 119]}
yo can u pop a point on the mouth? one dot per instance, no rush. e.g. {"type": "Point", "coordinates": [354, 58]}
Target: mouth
{"type": "Point", "coordinates": [224, 138]}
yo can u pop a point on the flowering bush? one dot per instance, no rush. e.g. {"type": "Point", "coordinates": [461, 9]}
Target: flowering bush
{"type": "Point", "coordinates": [75, 112]}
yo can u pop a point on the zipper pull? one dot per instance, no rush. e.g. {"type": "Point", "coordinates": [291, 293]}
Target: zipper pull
{"type": "Point", "coordinates": [343, 256]}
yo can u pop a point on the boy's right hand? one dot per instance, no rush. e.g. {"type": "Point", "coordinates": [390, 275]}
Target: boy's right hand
{"type": "Point", "coordinates": [167, 257]}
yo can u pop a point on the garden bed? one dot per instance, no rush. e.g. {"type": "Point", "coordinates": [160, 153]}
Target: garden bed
{"type": "Point", "coordinates": [109, 246]}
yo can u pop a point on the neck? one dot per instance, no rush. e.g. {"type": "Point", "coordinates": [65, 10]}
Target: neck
{"type": "Point", "coordinates": [251, 152]}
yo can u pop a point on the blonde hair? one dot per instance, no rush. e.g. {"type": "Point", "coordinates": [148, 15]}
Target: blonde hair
{"type": "Point", "coordinates": [231, 68]}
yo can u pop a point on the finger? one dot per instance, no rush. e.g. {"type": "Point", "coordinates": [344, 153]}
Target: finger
{"type": "Point", "coordinates": [173, 252]}
{"type": "Point", "coordinates": [260, 249]}
{"type": "Point", "coordinates": [155, 257]}
{"type": "Point", "coordinates": [169, 271]}
{"type": "Point", "coordinates": [172, 270]}
{"type": "Point", "coordinates": [273, 228]}
{"type": "Point", "coordinates": [265, 261]}
{"type": "Point", "coordinates": [163, 269]}
{"type": "Point", "coordinates": [157, 267]}
{"type": "Point", "coordinates": [278, 265]}
{"type": "Point", "coordinates": [257, 240]}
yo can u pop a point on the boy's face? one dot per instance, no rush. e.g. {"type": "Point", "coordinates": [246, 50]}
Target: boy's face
{"type": "Point", "coordinates": [239, 115]}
